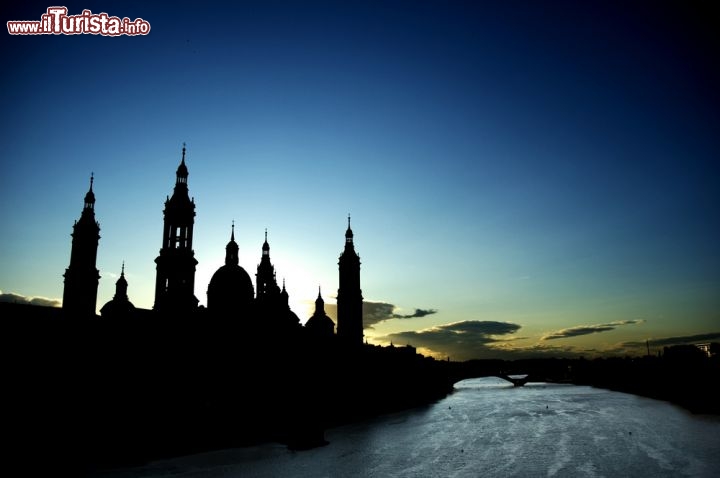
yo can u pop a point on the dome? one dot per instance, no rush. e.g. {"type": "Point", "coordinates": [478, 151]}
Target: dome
{"type": "Point", "coordinates": [229, 288]}
{"type": "Point", "coordinates": [321, 325]}
{"type": "Point", "coordinates": [117, 307]}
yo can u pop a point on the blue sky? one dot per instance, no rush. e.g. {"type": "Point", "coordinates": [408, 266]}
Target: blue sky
{"type": "Point", "coordinates": [517, 169]}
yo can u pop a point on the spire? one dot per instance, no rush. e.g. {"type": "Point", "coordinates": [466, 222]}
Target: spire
{"type": "Point", "coordinates": [349, 233]}
{"type": "Point", "coordinates": [284, 296]}
{"type": "Point", "coordinates": [319, 304]}
{"type": "Point", "coordinates": [122, 274]}
{"type": "Point", "coordinates": [121, 285]}
{"type": "Point", "coordinates": [266, 246]}
{"type": "Point", "coordinates": [232, 249]}
{"type": "Point", "coordinates": [90, 196]}
{"type": "Point", "coordinates": [182, 170]}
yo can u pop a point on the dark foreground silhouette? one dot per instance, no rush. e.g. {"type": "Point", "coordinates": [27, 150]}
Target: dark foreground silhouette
{"type": "Point", "coordinates": [82, 395]}
{"type": "Point", "coordinates": [86, 395]}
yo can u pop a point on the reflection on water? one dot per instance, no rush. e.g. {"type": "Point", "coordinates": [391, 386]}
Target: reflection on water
{"type": "Point", "coordinates": [487, 427]}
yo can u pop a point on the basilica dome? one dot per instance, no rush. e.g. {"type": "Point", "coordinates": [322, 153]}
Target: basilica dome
{"type": "Point", "coordinates": [230, 286]}
{"type": "Point", "coordinates": [230, 289]}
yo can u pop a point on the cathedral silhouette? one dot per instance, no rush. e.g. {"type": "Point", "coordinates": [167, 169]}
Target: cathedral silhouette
{"type": "Point", "coordinates": [230, 293]}
{"type": "Point", "coordinates": [138, 384]}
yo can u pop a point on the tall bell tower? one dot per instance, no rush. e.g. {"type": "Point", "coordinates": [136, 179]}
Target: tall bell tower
{"type": "Point", "coordinates": [82, 275]}
{"type": "Point", "coordinates": [265, 279]}
{"type": "Point", "coordinates": [349, 298]}
{"type": "Point", "coordinates": [175, 280]}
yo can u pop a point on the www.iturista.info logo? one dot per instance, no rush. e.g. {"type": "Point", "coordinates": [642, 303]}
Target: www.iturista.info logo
{"type": "Point", "coordinates": [56, 21]}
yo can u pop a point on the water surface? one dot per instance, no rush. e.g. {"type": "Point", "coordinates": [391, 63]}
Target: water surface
{"type": "Point", "coordinates": [489, 428]}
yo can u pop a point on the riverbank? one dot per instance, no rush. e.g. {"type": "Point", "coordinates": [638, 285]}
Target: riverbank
{"type": "Point", "coordinates": [683, 375]}
{"type": "Point", "coordinates": [689, 381]}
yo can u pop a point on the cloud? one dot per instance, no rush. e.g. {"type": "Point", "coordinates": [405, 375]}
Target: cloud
{"type": "Point", "coordinates": [417, 313]}
{"type": "Point", "coordinates": [376, 312]}
{"type": "Point", "coordinates": [588, 329]}
{"type": "Point", "coordinates": [687, 339]}
{"type": "Point", "coordinates": [21, 299]}
{"type": "Point", "coordinates": [476, 339]}
{"type": "Point", "coordinates": [462, 340]}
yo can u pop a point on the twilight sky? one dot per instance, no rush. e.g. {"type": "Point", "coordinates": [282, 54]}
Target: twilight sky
{"type": "Point", "coordinates": [523, 177]}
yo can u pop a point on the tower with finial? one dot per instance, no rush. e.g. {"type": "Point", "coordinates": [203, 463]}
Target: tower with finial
{"type": "Point", "coordinates": [284, 296]}
{"type": "Point", "coordinates": [175, 279]}
{"type": "Point", "coordinates": [320, 325]}
{"type": "Point", "coordinates": [349, 298]}
{"type": "Point", "coordinates": [82, 275]}
{"type": "Point", "coordinates": [265, 279]}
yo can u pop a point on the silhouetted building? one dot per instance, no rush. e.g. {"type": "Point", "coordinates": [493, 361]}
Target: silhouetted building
{"type": "Point", "coordinates": [320, 325]}
{"type": "Point", "coordinates": [204, 383]}
{"type": "Point", "coordinates": [230, 290]}
{"type": "Point", "coordinates": [265, 279]}
{"type": "Point", "coordinates": [82, 275]}
{"type": "Point", "coordinates": [287, 316]}
{"type": "Point", "coordinates": [120, 306]}
{"type": "Point", "coordinates": [272, 303]}
{"type": "Point", "coordinates": [349, 299]}
{"type": "Point", "coordinates": [175, 282]}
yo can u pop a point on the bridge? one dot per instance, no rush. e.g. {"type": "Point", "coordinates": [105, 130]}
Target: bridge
{"type": "Point", "coordinates": [518, 372]}
{"type": "Point", "coordinates": [518, 380]}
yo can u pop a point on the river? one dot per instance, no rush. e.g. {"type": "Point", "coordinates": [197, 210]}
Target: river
{"type": "Point", "coordinates": [488, 428]}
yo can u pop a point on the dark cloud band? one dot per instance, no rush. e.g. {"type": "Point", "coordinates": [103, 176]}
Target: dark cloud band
{"type": "Point", "coordinates": [463, 340]}
{"type": "Point", "coordinates": [376, 312]}
{"type": "Point", "coordinates": [588, 329]}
